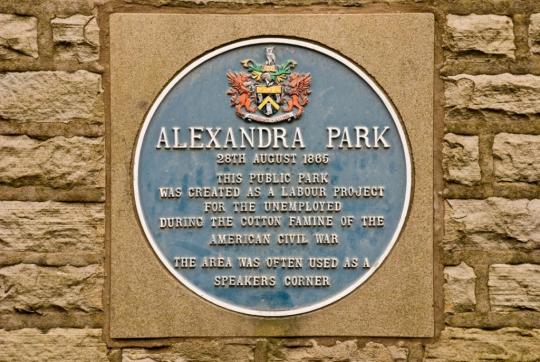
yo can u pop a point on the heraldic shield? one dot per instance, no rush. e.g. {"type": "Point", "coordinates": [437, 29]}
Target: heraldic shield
{"type": "Point", "coordinates": [268, 92]}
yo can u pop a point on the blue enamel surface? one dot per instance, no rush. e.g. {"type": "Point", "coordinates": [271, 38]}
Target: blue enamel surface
{"type": "Point", "coordinates": [339, 98]}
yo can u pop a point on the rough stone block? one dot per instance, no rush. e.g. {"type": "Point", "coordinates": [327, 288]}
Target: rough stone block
{"type": "Point", "coordinates": [58, 162]}
{"type": "Point", "coordinates": [51, 97]}
{"type": "Point", "coordinates": [516, 157]}
{"type": "Point", "coordinates": [492, 224]}
{"type": "Point", "coordinates": [51, 227]}
{"type": "Point", "coordinates": [534, 34]}
{"type": "Point", "coordinates": [506, 344]}
{"type": "Point", "coordinates": [488, 34]}
{"type": "Point", "coordinates": [518, 94]}
{"type": "Point", "coordinates": [271, 2]}
{"type": "Point", "coordinates": [57, 344]}
{"type": "Point", "coordinates": [36, 289]}
{"type": "Point", "coordinates": [460, 159]}
{"type": "Point", "coordinates": [341, 351]}
{"type": "Point", "coordinates": [18, 37]}
{"type": "Point", "coordinates": [76, 37]}
{"type": "Point", "coordinates": [514, 287]}
{"type": "Point", "coordinates": [195, 350]}
{"type": "Point", "coordinates": [459, 294]}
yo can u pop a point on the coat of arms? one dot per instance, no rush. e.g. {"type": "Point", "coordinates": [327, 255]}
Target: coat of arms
{"type": "Point", "coordinates": [269, 93]}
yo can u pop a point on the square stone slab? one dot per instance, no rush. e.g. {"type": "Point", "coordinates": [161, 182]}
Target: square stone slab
{"type": "Point", "coordinates": [147, 50]}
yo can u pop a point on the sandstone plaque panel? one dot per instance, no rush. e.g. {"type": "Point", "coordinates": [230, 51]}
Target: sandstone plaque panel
{"type": "Point", "coordinates": [150, 296]}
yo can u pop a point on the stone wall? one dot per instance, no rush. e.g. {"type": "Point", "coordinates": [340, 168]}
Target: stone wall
{"type": "Point", "coordinates": [53, 75]}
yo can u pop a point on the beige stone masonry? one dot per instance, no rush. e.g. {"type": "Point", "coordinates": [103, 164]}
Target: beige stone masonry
{"type": "Point", "coordinates": [518, 94]}
{"type": "Point", "coordinates": [341, 351]}
{"type": "Point", "coordinates": [489, 34]}
{"type": "Point", "coordinates": [159, 3]}
{"type": "Point", "coordinates": [51, 227]}
{"type": "Point", "coordinates": [482, 41]}
{"type": "Point", "coordinates": [36, 289]}
{"type": "Point", "coordinates": [58, 162]}
{"type": "Point", "coordinates": [460, 159]}
{"type": "Point", "coordinates": [53, 8]}
{"type": "Point", "coordinates": [51, 97]}
{"type": "Point", "coordinates": [506, 344]}
{"type": "Point", "coordinates": [76, 37]}
{"type": "Point", "coordinates": [516, 157]}
{"type": "Point", "coordinates": [492, 224]}
{"type": "Point", "coordinates": [18, 37]}
{"type": "Point", "coordinates": [57, 344]}
{"type": "Point", "coordinates": [534, 34]}
{"type": "Point", "coordinates": [514, 287]}
{"type": "Point", "coordinates": [459, 295]}
{"type": "Point", "coordinates": [220, 350]}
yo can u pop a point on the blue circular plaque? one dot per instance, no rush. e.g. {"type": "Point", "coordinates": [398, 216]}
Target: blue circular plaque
{"type": "Point", "coordinates": [272, 176]}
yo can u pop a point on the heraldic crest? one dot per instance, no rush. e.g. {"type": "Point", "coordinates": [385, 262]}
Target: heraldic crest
{"type": "Point", "coordinates": [269, 93]}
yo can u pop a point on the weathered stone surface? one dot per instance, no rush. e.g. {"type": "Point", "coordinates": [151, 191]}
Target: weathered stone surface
{"type": "Point", "coordinates": [459, 286]}
{"type": "Point", "coordinates": [460, 159]}
{"type": "Point", "coordinates": [51, 227]}
{"type": "Point", "coordinates": [18, 37]}
{"type": "Point", "coordinates": [516, 157]}
{"type": "Point", "coordinates": [51, 97]}
{"type": "Point", "coordinates": [488, 34]}
{"type": "Point", "coordinates": [54, 7]}
{"type": "Point", "coordinates": [31, 288]}
{"type": "Point", "coordinates": [57, 162]}
{"type": "Point", "coordinates": [534, 33]}
{"type": "Point", "coordinates": [506, 344]}
{"type": "Point", "coordinates": [518, 94]}
{"type": "Point", "coordinates": [514, 287]}
{"type": "Point", "coordinates": [58, 344]}
{"type": "Point", "coordinates": [76, 37]}
{"type": "Point", "coordinates": [270, 2]}
{"type": "Point", "coordinates": [194, 350]}
{"type": "Point", "coordinates": [492, 224]}
{"type": "Point", "coordinates": [341, 351]}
